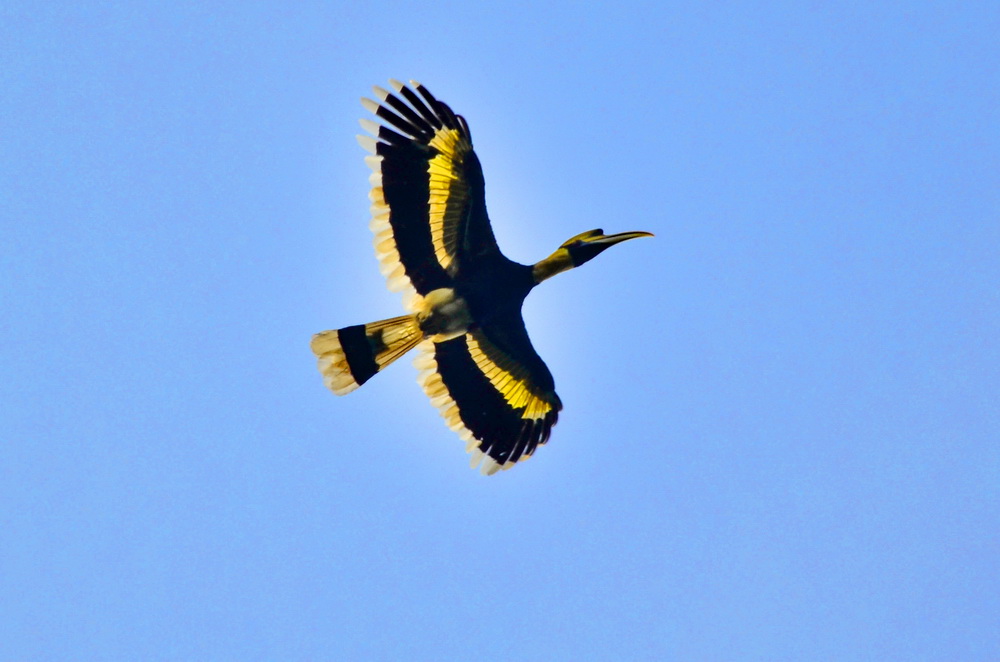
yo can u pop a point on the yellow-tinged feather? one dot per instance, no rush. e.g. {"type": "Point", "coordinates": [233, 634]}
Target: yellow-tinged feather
{"type": "Point", "coordinates": [516, 389]}
{"type": "Point", "coordinates": [370, 105]}
{"type": "Point", "coordinates": [411, 300]}
{"type": "Point", "coordinates": [397, 284]}
{"type": "Point", "coordinates": [367, 143]}
{"type": "Point", "coordinates": [476, 456]}
{"type": "Point", "coordinates": [441, 169]}
{"type": "Point", "coordinates": [387, 267]}
{"type": "Point", "coordinates": [447, 193]}
{"type": "Point", "coordinates": [394, 334]}
{"type": "Point", "coordinates": [325, 342]}
{"type": "Point", "coordinates": [445, 141]}
{"type": "Point", "coordinates": [332, 363]}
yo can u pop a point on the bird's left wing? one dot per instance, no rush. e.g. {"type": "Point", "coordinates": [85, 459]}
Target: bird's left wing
{"type": "Point", "coordinates": [428, 195]}
{"type": "Point", "coordinates": [493, 389]}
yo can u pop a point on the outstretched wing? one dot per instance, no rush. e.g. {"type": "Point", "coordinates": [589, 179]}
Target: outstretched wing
{"type": "Point", "coordinates": [428, 196]}
{"type": "Point", "coordinates": [493, 389]}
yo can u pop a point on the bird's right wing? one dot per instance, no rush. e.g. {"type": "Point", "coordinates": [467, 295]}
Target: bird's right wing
{"type": "Point", "coordinates": [493, 389]}
{"type": "Point", "coordinates": [428, 196]}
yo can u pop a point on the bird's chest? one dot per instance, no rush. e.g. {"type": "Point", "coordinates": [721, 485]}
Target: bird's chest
{"type": "Point", "coordinates": [492, 293]}
{"type": "Point", "coordinates": [476, 298]}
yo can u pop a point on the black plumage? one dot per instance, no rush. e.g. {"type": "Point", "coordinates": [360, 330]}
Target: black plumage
{"type": "Point", "coordinates": [434, 241]}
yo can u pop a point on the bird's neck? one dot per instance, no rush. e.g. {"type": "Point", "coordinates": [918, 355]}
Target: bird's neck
{"type": "Point", "coordinates": [556, 263]}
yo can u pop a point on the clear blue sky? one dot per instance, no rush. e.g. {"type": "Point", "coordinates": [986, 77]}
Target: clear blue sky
{"type": "Point", "coordinates": [782, 415]}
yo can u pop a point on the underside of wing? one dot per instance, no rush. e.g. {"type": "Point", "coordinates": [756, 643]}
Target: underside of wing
{"type": "Point", "coordinates": [428, 198]}
{"type": "Point", "coordinates": [494, 391]}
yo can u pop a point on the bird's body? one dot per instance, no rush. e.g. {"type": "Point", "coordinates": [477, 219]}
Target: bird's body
{"type": "Point", "coordinates": [434, 241]}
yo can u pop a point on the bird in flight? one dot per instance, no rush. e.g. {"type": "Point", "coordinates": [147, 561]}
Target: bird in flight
{"type": "Point", "coordinates": [434, 243]}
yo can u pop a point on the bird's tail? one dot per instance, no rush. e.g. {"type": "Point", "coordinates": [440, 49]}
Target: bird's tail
{"type": "Point", "coordinates": [349, 357]}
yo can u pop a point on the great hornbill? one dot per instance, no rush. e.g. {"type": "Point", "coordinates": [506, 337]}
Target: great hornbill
{"type": "Point", "coordinates": [434, 242]}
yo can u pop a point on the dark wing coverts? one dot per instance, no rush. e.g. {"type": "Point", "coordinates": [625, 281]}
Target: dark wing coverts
{"type": "Point", "coordinates": [429, 217]}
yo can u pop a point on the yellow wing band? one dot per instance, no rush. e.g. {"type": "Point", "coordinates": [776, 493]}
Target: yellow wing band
{"type": "Point", "coordinates": [448, 193]}
{"type": "Point", "coordinates": [514, 388]}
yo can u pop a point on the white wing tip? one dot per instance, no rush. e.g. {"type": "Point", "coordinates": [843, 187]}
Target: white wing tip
{"type": "Point", "coordinates": [370, 105]}
{"type": "Point", "coordinates": [489, 466]}
{"type": "Point", "coordinates": [367, 143]}
{"type": "Point", "coordinates": [397, 283]}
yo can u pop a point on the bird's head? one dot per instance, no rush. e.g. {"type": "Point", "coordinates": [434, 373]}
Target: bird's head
{"type": "Point", "coordinates": [579, 249]}
{"type": "Point", "coordinates": [587, 245]}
